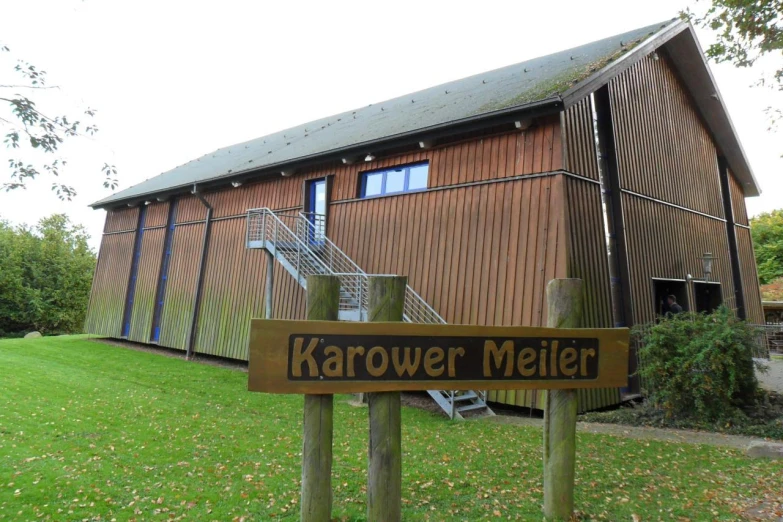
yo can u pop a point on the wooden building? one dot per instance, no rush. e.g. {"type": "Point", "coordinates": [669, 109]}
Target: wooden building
{"type": "Point", "coordinates": [480, 190]}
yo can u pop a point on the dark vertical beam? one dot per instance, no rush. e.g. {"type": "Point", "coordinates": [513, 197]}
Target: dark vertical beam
{"type": "Point", "coordinates": [731, 232]}
{"type": "Point", "coordinates": [130, 293]}
{"type": "Point", "coordinates": [200, 277]}
{"type": "Point", "coordinates": [612, 198]}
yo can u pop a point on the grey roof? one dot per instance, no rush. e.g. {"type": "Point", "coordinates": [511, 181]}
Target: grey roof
{"type": "Point", "coordinates": [532, 83]}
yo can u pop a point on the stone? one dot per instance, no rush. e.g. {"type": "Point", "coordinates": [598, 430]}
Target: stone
{"type": "Point", "coordinates": [33, 335]}
{"type": "Point", "coordinates": [769, 450]}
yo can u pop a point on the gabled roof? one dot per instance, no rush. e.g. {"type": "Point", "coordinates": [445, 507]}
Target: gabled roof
{"type": "Point", "coordinates": [540, 85]}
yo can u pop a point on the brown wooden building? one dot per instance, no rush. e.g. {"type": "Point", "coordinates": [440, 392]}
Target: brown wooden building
{"type": "Point", "coordinates": [480, 190]}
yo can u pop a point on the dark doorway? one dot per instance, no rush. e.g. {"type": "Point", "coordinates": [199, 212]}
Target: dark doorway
{"type": "Point", "coordinates": [708, 296]}
{"type": "Point", "coordinates": [315, 209]}
{"type": "Point", "coordinates": [662, 288]}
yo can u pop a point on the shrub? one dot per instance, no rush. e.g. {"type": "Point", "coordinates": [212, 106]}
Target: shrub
{"type": "Point", "coordinates": [699, 365]}
{"type": "Point", "coordinates": [45, 277]}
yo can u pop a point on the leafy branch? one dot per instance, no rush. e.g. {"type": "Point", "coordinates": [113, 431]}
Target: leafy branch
{"type": "Point", "coordinates": [27, 127]}
{"type": "Point", "coordinates": [747, 30]}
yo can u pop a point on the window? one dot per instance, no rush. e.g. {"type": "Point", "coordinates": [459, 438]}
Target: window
{"type": "Point", "coordinates": [663, 289]}
{"type": "Point", "coordinates": [409, 178]}
{"type": "Point", "coordinates": [708, 296]}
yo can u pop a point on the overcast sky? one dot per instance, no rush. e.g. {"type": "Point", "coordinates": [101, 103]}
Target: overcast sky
{"type": "Point", "coordinates": [175, 80]}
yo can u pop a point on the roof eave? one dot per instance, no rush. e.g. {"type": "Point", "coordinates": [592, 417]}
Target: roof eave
{"type": "Point", "coordinates": [541, 107]}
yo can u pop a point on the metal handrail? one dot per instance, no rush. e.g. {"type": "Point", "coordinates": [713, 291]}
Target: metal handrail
{"type": "Point", "coordinates": [413, 301]}
{"type": "Point", "coordinates": [332, 260]}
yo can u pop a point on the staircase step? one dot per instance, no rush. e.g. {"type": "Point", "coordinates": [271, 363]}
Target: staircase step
{"type": "Point", "coordinates": [466, 396]}
{"type": "Point", "coordinates": [470, 407]}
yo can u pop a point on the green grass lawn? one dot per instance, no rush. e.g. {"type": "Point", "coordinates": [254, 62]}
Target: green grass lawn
{"type": "Point", "coordinates": [95, 432]}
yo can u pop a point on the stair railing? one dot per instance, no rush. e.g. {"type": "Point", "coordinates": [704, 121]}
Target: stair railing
{"type": "Point", "coordinates": [317, 254]}
{"type": "Point", "coordinates": [415, 309]}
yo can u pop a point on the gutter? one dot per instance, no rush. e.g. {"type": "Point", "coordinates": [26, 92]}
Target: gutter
{"type": "Point", "coordinates": [482, 121]}
{"type": "Point", "coordinates": [200, 277]}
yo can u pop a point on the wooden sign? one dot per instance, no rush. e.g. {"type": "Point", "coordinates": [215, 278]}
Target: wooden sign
{"type": "Point", "coordinates": [326, 357]}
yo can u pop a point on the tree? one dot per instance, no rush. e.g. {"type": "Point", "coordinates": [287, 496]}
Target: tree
{"type": "Point", "coordinates": [45, 276]}
{"type": "Point", "coordinates": [32, 133]}
{"type": "Point", "coordinates": [747, 30]}
{"type": "Point", "coordinates": [767, 232]}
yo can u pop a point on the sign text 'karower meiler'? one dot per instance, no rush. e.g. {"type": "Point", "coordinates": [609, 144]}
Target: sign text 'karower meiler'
{"type": "Point", "coordinates": [339, 357]}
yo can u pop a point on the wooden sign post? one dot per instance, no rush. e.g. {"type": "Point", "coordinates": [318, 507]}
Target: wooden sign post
{"type": "Point", "coordinates": [564, 298]}
{"type": "Point", "coordinates": [323, 303]}
{"type": "Point", "coordinates": [386, 297]}
{"type": "Point", "coordinates": [320, 358]}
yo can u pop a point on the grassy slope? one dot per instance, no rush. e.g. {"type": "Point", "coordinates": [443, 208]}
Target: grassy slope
{"type": "Point", "coordinates": [90, 430]}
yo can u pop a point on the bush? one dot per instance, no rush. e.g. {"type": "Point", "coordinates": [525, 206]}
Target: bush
{"type": "Point", "coordinates": [45, 277]}
{"type": "Point", "coordinates": [699, 365]}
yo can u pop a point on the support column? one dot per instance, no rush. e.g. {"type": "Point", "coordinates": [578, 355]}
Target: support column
{"type": "Point", "coordinates": [611, 197]}
{"type": "Point", "coordinates": [270, 282]}
{"type": "Point", "coordinates": [386, 298]}
{"type": "Point", "coordinates": [731, 232]}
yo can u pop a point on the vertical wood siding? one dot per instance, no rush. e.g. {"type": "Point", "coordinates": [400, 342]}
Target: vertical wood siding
{"type": "Point", "coordinates": [146, 283]}
{"type": "Point", "coordinates": [157, 215]}
{"type": "Point", "coordinates": [234, 288]}
{"type": "Point", "coordinates": [110, 283]}
{"type": "Point", "coordinates": [666, 242]}
{"type": "Point", "coordinates": [181, 287]}
{"type": "Point", "coordinates": [663, 149]}
{"type": "Point", "coordinates": [750, 277]}
{"type": "Point", "coordinates": [587, 260]}
{"type": "Point", "coordinates": [478, 254]}
{"type": "Point", "coordinates": [121, 220]}
{"type": "Point", "coordinates": [587, 254]}
{"type": "Point", "coordinates": [737, 201]}
{"type": "Point", "coordinates": [580, 140]}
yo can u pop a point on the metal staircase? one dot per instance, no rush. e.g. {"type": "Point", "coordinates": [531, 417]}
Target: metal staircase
{"type": "Point", "coordinates": [298, 242]}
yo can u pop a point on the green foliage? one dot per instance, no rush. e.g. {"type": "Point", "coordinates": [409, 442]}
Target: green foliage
{"type": "Point", "coordinates": [29, 132]}
{"type": "Point", "coordinates": [767, 232]}
{"type": "Point", "coordinates": [746, 31]}
{"type": "Point", "coordinates": [45, 276]}
{"type": "Point", "coordinates": [699, 365]}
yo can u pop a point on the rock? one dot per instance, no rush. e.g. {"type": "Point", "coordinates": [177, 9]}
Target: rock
{"type": "Point", "coordinates": [33, 335]}
{"type": "Point", "coordinates": [769, 450]}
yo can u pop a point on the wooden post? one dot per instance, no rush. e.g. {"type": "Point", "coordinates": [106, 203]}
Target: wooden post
{"type": "Point", "coordinates": [386, 297]}
{"type": "Point", "coordinates": [323, 303]}
{"type": "Point", "coordinates": [270, 282]}
{"type": "Point", "coordinates": [564, 298]}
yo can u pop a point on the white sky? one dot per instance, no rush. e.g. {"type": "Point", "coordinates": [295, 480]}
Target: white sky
{"type": "Point", "coordinates": [175, 80]}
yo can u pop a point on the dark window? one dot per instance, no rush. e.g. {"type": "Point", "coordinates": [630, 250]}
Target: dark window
{"type": "Point", "coordinates": [708, 296]}
{"type": "Point", "coordinates": [663, 288]}
{"type": "Point", "coordinates": [396, 180]}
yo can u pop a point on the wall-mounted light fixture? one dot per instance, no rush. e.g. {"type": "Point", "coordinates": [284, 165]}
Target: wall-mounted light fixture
{"type": "Point", "coordinates": [369, 157]}
{"type": "Point", "coordinates": [706, 265]}
{"type": "Point", "coordinates": [236, 184]}
{"type": "Point", "coordinates": [286, 173]}
{"type": "Point", "coordinates": [147, 203]}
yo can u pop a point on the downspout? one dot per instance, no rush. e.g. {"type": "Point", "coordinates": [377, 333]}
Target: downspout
{"type": "Point", "coordinates": [731, 231]}
{"type": "Point", "coordinates": [200, 277]}
{"type": "Point", "coordinates": [614, 222]}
